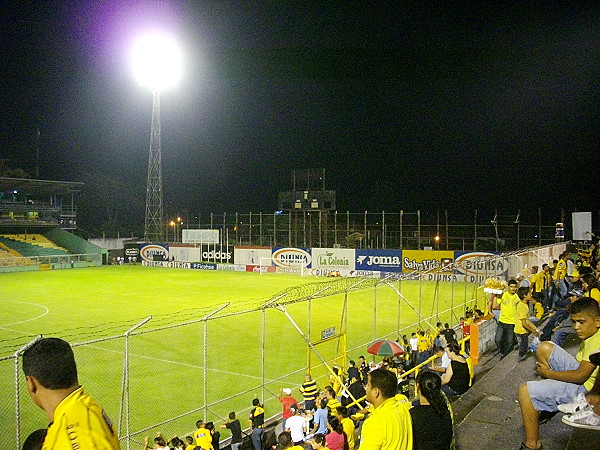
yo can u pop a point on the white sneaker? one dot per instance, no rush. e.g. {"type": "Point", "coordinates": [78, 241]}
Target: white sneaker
{"type": "Point", "coordinates": [576, 405]}
{"type": "Point", "coordinates": [585, 418]}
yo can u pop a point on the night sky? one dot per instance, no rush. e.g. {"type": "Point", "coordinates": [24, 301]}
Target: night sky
{"type": "Point", "coordinates": [407, 105]}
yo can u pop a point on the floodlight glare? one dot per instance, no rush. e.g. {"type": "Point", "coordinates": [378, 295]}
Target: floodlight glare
{"type": "Point", "coordinates": [156, 61]}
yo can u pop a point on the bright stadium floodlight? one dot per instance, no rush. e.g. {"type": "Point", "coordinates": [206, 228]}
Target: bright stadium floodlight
{"type": "Point", "coordinates": [157, 63]}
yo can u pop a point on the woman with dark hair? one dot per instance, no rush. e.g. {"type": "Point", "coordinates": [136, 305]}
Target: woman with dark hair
{"type": "Point", "coordinates": [457, 379]}
{"type": "Point", "coordinates": [336, 438]}
{"type": "Point", "coordinates": [431, 419]}
{"type": "Point", "coordinates": [591, 287]}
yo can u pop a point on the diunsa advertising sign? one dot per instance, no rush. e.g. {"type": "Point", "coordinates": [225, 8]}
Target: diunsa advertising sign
{"type": "Point", "coordinates": [291, 257]}
{"type": "Point", "coordinates": [481, 263]}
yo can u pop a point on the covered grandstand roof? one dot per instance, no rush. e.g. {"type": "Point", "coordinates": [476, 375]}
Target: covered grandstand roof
{"type": "Point", "coordinates": [39, 187]}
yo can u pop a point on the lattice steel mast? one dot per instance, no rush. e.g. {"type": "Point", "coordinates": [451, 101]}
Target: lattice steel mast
{"type": "Point", "coordinates": [154, 230]}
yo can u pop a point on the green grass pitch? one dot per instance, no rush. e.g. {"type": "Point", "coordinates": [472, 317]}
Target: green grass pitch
{"type": "Point", "coordinates": [166, 366]}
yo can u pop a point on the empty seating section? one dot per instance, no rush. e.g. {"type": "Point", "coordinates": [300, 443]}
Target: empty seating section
{"type": "Point", "coordinates": [32, 245]}
{"type": "Point", "coordinates": [10, 258]}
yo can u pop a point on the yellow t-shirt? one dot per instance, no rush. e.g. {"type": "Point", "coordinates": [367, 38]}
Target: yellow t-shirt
{"type": "Point", "coordinates": [560, 271]}
{"type": "Point", "coordinates": [348, 426]}
{"type": "Point", "coordinates": [203, 438]}
{"type": "Point", "coordinates": [538, 310]}
{"type": "Point", "coordinates": [522, 313]}
{"type": "Point", "coordinates": [594, 293]}
{"type": "Point", "coordinates": [423, 344]}
{"type": "Point", "coordinates": [586, 348]}
{"type": "Point", "coordinates": [388, 428]}
{"type": "Point", "coordinates": [508, 308]}
{"type": "Point", "coordinates": [80, 422]}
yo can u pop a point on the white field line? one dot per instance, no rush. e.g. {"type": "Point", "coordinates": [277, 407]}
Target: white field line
{"type": "Point", "coordinates": [169, 361]}
{"type": "Point", "coordinates": [46, 311]}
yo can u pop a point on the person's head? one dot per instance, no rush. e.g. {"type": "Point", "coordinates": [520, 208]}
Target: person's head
{"type": "Point", "coordinates": [189, 440]}
{"type": "Point", "coordinates": [334, 424]}
{"type": "Point", "coordinates": [585, 314]}
{"type": "Point", "coordinates": [341, 412]}
{"type": "Point", "coordinates": [429, 385]}
{"type": "Point", "coordinates": [438, 325]}
{"type": "Point", "coordinates": [361, 359]}
{"type": "Point", "coordinates": [512, 286]}
{"type": "Point", "coordinates": [545, 267]}
{"type": "Point", "coordinates": [439, 351]}
{"type": "Point", "coordinates": [200, 423]}
{"type": "Point", "coordinates": [453, 349]}
{"type": "Point", "coordinates": [519, 276]}
{"type": "Point", "coordinates": [35, 441]}
{"type": "Point", "coordinates": [588, 282]}
{"type": "Point", "coordinates": [284, 440]}
{"type": "Point", "coordinates": [323, 403]}
{"type": "Point", "coordinates": [381, 385]}
{"type": "Point", "coordinates": [50, 369]}
{"type": "Point", "coordinates": [421, 333]}
{"type": "Point", "coordinates": [255, 402]}
{"type": "Point", "coordinates": [469, 314]}
{"type": "Point", "coordinates": [352, 363]}
{"type": "Point", "coordinates": [318, 441]}
{"type": "Point", "coordinates": [159, 440]}
{"type": "Point", "coordinates": [210, 426]}
{"type": "Point", "coordinates": [524, 293]}
{"type": "Point", "coordinates": [52, 363]}
{"type": "Point", "coordinates": [307, 377]}
{"type": "Point", "coordinates": [413, 335]}
{"type": "Point", "coordinates": [329, 392]}
{"type": "Point", "coordinates": [534, 269]}
{"type": "Point", "coordinates": [446, 325]}
{"type": "Point", "coordinates": [287, 391]}
{"type": "Point", "coordinates": [232, 415]}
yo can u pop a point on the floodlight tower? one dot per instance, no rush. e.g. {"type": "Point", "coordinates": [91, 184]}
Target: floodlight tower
{"type": "Point", "coordinates": [157, 65]}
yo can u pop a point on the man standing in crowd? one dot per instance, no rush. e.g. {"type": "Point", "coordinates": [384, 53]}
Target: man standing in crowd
{"type": "Point", "coordinates": [77, 420]}
{"type": "Point", "coordinates": [257, 420]}
{"type": "Point", "coordinates": [389, 427]}
{"type": "Point", "coordinates": [505, 333]}
{"type": "Point", "coordinates": [287, 401]}
{"type": "Point", "coordinates": [309, 391]}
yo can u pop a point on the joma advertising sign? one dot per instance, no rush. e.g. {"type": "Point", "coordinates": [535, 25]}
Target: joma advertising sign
{"type": "Point", "coordinates": [379, 260]}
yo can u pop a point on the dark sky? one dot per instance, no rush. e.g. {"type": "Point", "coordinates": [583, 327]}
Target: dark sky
{"type": "Point", "coordinates": [407, 105]}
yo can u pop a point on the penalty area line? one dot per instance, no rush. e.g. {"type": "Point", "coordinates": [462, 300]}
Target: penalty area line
{"type": "Point", "coordinates": [179, 363]}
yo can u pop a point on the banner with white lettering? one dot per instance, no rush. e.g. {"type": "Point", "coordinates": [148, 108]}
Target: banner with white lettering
{"type": "Point", "coordinates": [379, 260]}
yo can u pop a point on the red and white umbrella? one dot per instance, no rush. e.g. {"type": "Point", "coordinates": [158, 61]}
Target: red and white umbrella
{"type": "Point", "coordinates": [385, 347]}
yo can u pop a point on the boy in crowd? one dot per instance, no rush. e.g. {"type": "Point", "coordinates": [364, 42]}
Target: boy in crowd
{"type": "Point", "coordinates": [523, 325]}
{"type": "Point", "coordinates": [505, 333]}
{"type": "Point", "coordinates": [565, 377]}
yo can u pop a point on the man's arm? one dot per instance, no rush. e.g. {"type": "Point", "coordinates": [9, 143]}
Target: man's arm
{"type": "Point", "coordinates": [529, 326]}
{"type": "Point", "coordinates": [577, 376]}
{"type": "Point", "coordinates": [448, 375]}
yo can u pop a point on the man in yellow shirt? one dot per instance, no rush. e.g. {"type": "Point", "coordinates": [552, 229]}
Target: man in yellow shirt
{"type": "Point", "coordinates": [389, 427]}
{"type": "Point", "coordinates": [505, 333]}
{"type": "Point", "coordinates": [563, 377]}
{"type": "Point", "coordinates": [78, 421]}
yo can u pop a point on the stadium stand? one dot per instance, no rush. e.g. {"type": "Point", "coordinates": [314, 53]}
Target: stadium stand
{"type": "Point", "coordinates": [29, 246]}
{"type": "Point", "coordinates": [488, 416]}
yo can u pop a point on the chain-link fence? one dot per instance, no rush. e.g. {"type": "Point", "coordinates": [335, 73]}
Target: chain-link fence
{"type": "Point", "coordinates": [163, 375]}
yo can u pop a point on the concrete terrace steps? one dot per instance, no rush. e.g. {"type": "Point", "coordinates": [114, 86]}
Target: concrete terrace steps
{"type": "Point", "coordinates": [488, 415]}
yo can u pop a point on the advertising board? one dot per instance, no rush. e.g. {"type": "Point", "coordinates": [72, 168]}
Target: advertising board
{"type": "Point", "coordinates": [333, 258]}
{"type": "Point", "coordinates": [427, 261]}
{"type": "Point", "coordinates": [379, 260]}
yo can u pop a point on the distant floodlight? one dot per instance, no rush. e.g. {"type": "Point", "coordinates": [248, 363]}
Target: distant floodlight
{"type": "Point", "coordinates": [156, 61]}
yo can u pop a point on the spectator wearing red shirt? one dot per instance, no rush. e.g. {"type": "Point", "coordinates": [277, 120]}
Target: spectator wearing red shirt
{"type": "Point", "coordinates": [286, 399]}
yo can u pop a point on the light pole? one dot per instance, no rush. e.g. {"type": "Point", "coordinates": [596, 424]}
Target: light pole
{"type": "Point", "coordinates": [156, 61]}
